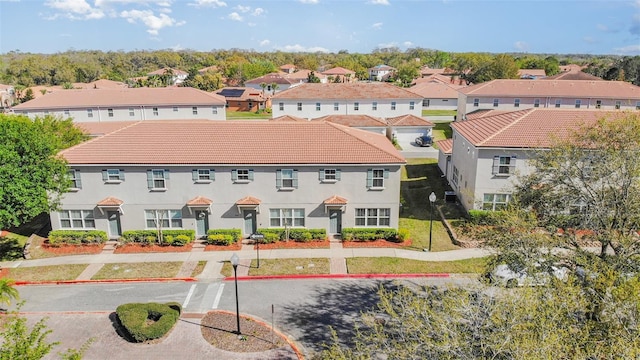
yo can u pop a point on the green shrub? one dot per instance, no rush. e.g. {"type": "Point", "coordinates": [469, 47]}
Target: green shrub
{"type": "Point", "coordinates": [181, 240]}
{"type": "Point", "coordinates": [235, 234]}
{"type": "Point", "coordinates": [369, 234]}
{"type": "Point", "coordinates": [151, 236]}
{"type": "Point", "coordinates": [220, 239]}
{"type": "Point", "coordinates": [403, 235]}
{"type": "Point", "coordinates": [295, 234]}
{"type": "Point", "coordinates": [76, 237]}
{"type": "Point", "coordinates": [486, 217]}
{"type": "Point", "coordinates": [168, 239]}
{"type": "Point", "coordinates": [148, 321]}
{"type": "Point", "coordinates": [270, 238]}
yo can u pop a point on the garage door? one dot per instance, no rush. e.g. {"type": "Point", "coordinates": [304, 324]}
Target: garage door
{"type": "Point", "coordinates": [409, 135]}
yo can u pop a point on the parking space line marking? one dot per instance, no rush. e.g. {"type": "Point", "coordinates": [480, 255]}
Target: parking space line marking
{"type": "Point", "coordinates": [218, 296]}
{"type": "Point", "coordinates": [186, 301]}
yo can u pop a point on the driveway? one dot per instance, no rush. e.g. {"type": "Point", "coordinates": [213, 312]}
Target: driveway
{"type": "Point", "coordinates": [411, 150]}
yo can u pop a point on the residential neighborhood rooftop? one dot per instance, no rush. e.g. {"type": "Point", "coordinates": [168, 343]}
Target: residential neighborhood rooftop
{"type": "Point", "coordinates": [354, 120]}
{"type": "Point", "coordinates": [409, 120]}
{"type": "Point", "coordinates": [346, 91]}
{"type": "Point", "coordinates": [211, 142]}
{"type": "Point", "coordinates": [435, 90]}
{"type": "Point", "coordinates": [554, 88]}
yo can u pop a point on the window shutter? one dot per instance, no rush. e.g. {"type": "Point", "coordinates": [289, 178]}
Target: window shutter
{"type": "Point", "coordinates": [496, 165]}
{"type": "Point", "coordinates": [78, 179]}
{"type": "Point", "coordinates": [251, 174]}
{"type": "Point", "coordinates": [512, 165]}
{"type": "Point", "coordinates": [166, 174]}
{"type": "Point", "coordinates": [194, 174]}
{"type": "Point", "coordinates": [150, 179]}
{"type": "Point", "coordinates": [121, 175]}
{"type": "Point", "coordinates": [105, 175]}
{"type": "Point", "coordinates": [337, 174]}
{"type": "Point", "coordinates": [234, 175]}
{"type": "Point", "coordinates": [386, 173]}
{"type": "Point", "coordinates": [278, 179]}
{"type": "Point", "coordinates": [212, 174]}
{"type": "Point", "coordinates": [321, 174]}
{"type": "Point", "coordinates": [295, 179]}
{"type": "Point", "coordinates": [369, 178]}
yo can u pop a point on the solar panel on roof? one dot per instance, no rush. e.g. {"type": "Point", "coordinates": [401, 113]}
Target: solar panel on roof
{"type": "Point", "coordinates": [231, 92]}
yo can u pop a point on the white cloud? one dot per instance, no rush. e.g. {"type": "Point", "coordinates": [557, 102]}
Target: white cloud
{"type": "Point", "coordinates": [407, 44]}
{"type": "Point", "coordinates": [258, 11]}
{"type": "Point", "coordinates": [265, 42]}
{"type": "Point", "coordinates": [602, 27]}
{"type": "Point", "coordinates": [153, 23]}
{"type": "Point", "coordinates": [235, 16]}
{"type": "Point", "coordinates": [628, 50]}
{"type": "Point", "coordinates": [75, 9]}
{"type": "Point", "coordinates": [208, 3]}
{"type": "Point", "coordinates": [521, 46]}
{"type": "Point", "coordinates": [377, 25]}
{"type": "Point", "coordinates": [300, 48]}
{"type": "Point", "coordinates": [316, 1]}
{"type": "Point", "coordinates": [379, 2]}
{"type": "Point", "coordinates": [177, 47]}
{"type": "Point", "coordinates": [243, 9]}
{"type": "Point", "coordinates": [637, 3]}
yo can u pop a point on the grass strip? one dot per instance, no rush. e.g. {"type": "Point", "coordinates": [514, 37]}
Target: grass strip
{"type": "Point", "coordinates": [138, 270]}
{"type": "Point", "coordinates": [46, 273]}
{"type": "Point", "coordinates": [391, 265]}
{"type": "Point", "coordinates": [303, 266]}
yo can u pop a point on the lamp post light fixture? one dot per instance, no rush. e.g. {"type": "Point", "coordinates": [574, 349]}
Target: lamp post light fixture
{"type": "Point", "coordinates": [235, 260]}
{"type": "Point", "coordinates": [432, 200]}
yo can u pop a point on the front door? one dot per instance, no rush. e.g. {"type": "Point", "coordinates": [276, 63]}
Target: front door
{"type": "Point", "coordinates": [249, 221]}
{"type": "Point", "coordinates": [202, 223]}
{"type": "Point", "coordinates": [114, 224]}
{"type": "Point", "coordinates": [335, 221]}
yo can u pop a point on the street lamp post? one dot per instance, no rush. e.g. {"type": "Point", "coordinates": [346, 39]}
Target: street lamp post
{"type": "Point", "coordinates": [235, 261]}
{"type": "Point", "coordinates": [432, 200]}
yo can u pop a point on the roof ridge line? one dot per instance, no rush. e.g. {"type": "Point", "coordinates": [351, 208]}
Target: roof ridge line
{"type": "Point", "coordinates": [484, 84]}
{"type": "Point", "coordinates": [343, 128]}
{"type": "Point", "coordinates": [517, 119]}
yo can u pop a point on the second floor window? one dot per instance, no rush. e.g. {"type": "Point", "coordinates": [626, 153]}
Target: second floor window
{"type": "Point", "coordinates": [516, 103]}
{"type": "Point", "coordinates": [412, 105]}
{"type": "Point", "coordinates": [194, 110]}
{"type": "Point", "coordinates": [356, 106]}
{"type": "Point", "coordinates": [476, 102]}
{"type": "Point", "coordinates": [112, 175]}
{"type": "Point", "coordinates": [241, 175]}
{"type": "Point", "coordinates": [578, 103]}
{"type": "Point", "coordinates": [110, 112]}
{"type": "Point", "coordinates": [536, 103]}
{"type": "Point", "coordinates": [203, 175]}
{"type": "Point", "coordinates": [89, 113]}
{"type": "Point", "coordinates": [317, 106]}
{"type": "Point", "coordinates": [175, 109]}
{"type": "Point", "coordinates": [157, 179]}
{"type": "Point", "coordinates": [496, 102]}
{"type": "Point", "coordinates": [504, 165]}
{"type": "Point", "coordinates": [393, 105]}
{"type": "Point", "coordinates": [598, 104]}
{"type": "Point", "coordinates": [67, 112]}
{"type": "Point", "coordinates": [375, 178]}
{"type": "Point", "coordinates": [336, 106]}
{"type": "Point", "coordinates": [374, 106]}
{"type": "Point", "coordinates": [558, 103]}
{"type": "Point", "coordinates": [618, 104]}
{"type": "Point", "coordinates": [286, 179]}
{"type": "Point", "coordinates": [299, 106]}
{"type": "Point", "coordinates": [281, 106]}
{"type": "Point", "coordinates": [329, 175]}
{"type": "Point", "coordinates": [155, 111]}
{"type": "Point", "coordinates": [214, 110]}
{"type": "Point", "coordinates": [74, 176]}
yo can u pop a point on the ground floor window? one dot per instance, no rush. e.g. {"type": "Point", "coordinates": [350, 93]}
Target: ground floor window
{"type": "Point", "coordinates": [77, 219]}
{"type": "Point", "coordinates": [286, 217]}
{"type": "Point", "coordinates": [166, 219]}
{"type": "Point", "coordinates": [495, 201]}
{"type": "Point", "coordinates": [373, 217]}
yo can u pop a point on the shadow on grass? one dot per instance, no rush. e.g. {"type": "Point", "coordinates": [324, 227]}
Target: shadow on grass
{"type": "Point", "coordinates": [338, 306]}
{"type": "Point", "coordinates": [10, 249]}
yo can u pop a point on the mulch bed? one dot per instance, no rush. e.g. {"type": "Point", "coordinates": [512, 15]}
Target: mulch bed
{"type": "Point", "coordinates": [381, 243]}
{"type": "Point", "coordinates": [324, 244]}
{"type": "Point", "coordinates": [4, 272]}
{"type": "Point", "coordinates": [219, 329]}
{"type": "Point", "coordinates": [137, 248]}
{"type": "Point", "coordinates": [237, 246]}
{"type": "Point", "coordinates": [73, 249]}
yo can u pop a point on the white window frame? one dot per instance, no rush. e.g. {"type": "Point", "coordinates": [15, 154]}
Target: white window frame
{"type": "Point", "coordinates": [287, 180]}
{"type": "Point", "coordinates": [356, 106]}
{"type": "Point", "coordinates": [90, 113]}
{"type": "Point", "coordinates": [167, 218]}
{"type": "Point", "coordinates": [578, 103]}
{"type": "Point", "coordinates": [299, 106]}
{"type": "Point", "coordinates": [175, 109]}
{"type": "Point", "coordinates": [203, 175]}
{"type": "Point", "coordinates": [85, 220]}
{"type": "Point", "coordinates": [67, 112]}
{"type": "Point", "coordinates": [374, 106]}
{"type": "Point", "coordinates": [516, 103]}
{"type": "Point", "coordinates": [536, 103]}
{"type": "Point", "coordinates": [494, 202]}
{"type": "Point", "coordinates": [503, 165]}
{"type": "Point", "coordinates": [336, 106]}
{"type": "Point", "coordinates": [426, 102]}
{"type": "Point", "coordinates": [318, 108]}
{"type": "Point", "coordinates": [242, 175]}
{"type": "Point", "coordinates": [76, 181]}
{"type": "Point", "coordinates": [159, 176]}
{"type": "Point", "coordinates": [393, 105]}
{"type": "Point", "coordinates": [113, 175]}
{"type": "Point", "coordinates": [372, 217]}
{"type": "Point", "coordinates": [214, 110]}
{"type": "Point", "coordinates": [376, 178]}
{"type": "Point", "coordinates": [412, 105]}
{"type": "Point", "coordinates": [558, 103]}
{"type": "Point", "coordinates": [110, 112]}
{"type": "Point", "coordinates": [329, 175]}
{"type": "Point", "coordinates": [132, 112]}
{"type": "Point", "coordinates": [194, 110]}
{"type": "Point", "coordinates": [496, 102]}
{"type": "Point", "coordinates": [281, 106]}
{"type": "Point", "coordinates": [291, 217]}
{"type": "Point", "coordinates": [155, 111]}
{"type": "Point", "coordinates": [476, 102]}
{"type": "Point", "coordinates": [598, 104]}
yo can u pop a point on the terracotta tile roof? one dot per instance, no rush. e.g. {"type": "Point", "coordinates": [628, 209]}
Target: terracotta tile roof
{"type": "Point", "coordinates": [224, 142]}
{"type": "Point", "coordinates": [199, 201]}
{"type": "Point", "coordinates": [530, 128]}
{"type": "Point", "coordinates": [555, 88]}
{"type": "Point", "coordinates": [99, 84]}
{"type": "Point", "coordinates": [338, 71]}
{"type": "Point", "coordinates": [288, 118]}
{"type": "Point", "coordinates": [124, 97]}
{"type": "Point", "coordinates": [346, 91]}
{"type": "Point", "coordinates": [335, 200]}
{"type": "Point", "coordinates": [532, 72]}
{"type": "Point", "coordinates": [354, 120]}
{"type": "Point", "coordinates": [248, 200]}
{"type": "Point", "coordinates": [409, 120]}
{"type": "Point", "coordinates": [102, 128]}
{"type": "Point", "coordinates": [446, 146]}
{"type": "Point", "coordinates": [110, 201]}
{"type": "Point", "coordinates": [382, 67]}
{"type": "Point", "coordinates": [164, 70]}
{"type": "Point", "coordinates": [480, 113]}
{"type": "Point", "coordinates": [271, 78]}
{"type": "Point", "coordinates": [573, 75]}
{"type": "Point", "coordinates": [442, 79]}
{"type": "Point", "coordinates": [302, 75]}
{"type": "Point", "coordinates": [435, 90]}
{"type": "Point", "coordinates": [288, 66]}
{"type": "Point", "coordinates": [241, 94]}
{"type": "Point", "coordinates": [425, 70]}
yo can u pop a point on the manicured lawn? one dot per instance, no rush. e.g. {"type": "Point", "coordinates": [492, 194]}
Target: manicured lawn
{"type": "Point", "coordinates": [247, 115]}
{"type": "Point", "coordinates": [442, 131]}
{"type": "Point", "coordinates": [46, 273]}
{"type": "Point", "coordinates": [439, 112]}
{"type": "Point", "coordinates": [11, 246]}
{"type": "Point", "coordinates": [389, 265]}
{"type": "Point", "coordinates": [304, 266]}
{"type": "Point", "coordinates": [138, 270]}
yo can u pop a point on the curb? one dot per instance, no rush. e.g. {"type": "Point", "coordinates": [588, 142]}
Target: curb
{"type": "Point", "coordinates": [67, 282]}
{"type": "Point", "coordinates": [337, 276]}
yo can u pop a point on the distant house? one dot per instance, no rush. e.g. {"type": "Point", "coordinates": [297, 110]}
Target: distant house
{"type": "Point", "coordinates": [381, 72]}
{"type": "Point", "coordinates": [381, 100]}
{"type": "Point", "coordinates": [302, 76]}
{"type": "Point", "coordinates": [288, 68]}
{"type": "Point", "coordinates": [202, 175]}
{"type": "Point", "coordinates": [532, 74]}
{"type": "Point", "coordinates": [406, 128]}
{"type": "Point", "coordinates": [437, 95]}
{"type": "Point", "coordinates": [243, 98]}
{"type": "Point", "coordinates": [7, 97]}
{"type": "Point", "coordinates": [340, 74]}
{"type": "Point", "coordinates": [177, 76]}
{"type": "Point", "coordinates": [282, 82]}
{"type": "Point", "coordinates": [506, 94]}
{"type": "Point", "coordinates": [127, 104]}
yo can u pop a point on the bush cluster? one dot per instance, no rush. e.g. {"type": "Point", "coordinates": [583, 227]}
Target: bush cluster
{"type": "Point", "coordinates": [76, 237]}
{"type": "Point", "coordinates": [223, 236]}
{"type": "Point", "coordinates": [150, 237]}
{"type": "Point", "coordinates": [369, 234]}
{"type": "Point", "coordinates": [272, 235]}
{"type": "Point", "coordinates": [148, 321]}
{"type": "Point", "coordinates": [485, 217]}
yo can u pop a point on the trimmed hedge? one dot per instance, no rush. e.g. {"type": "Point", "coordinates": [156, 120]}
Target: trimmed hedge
{"type": "Point", "coordinates": [148, 321]}
{"type": "Point", "coordinates": [170, 237]}
{"type": "Point", "coordinates": [369, 234]}
{"type": "Point", "coordinates": [76, 237]}
{"type": "Point", "coordinates": [235, 234]}
{"type": "Point", "coordinates": [220, 239]}
{"type": "Point", "coordinates": [301, 235]}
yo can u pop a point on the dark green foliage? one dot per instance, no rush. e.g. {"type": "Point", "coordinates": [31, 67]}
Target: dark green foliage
{"type": "Point", "coordinates": [235, 234]}
{"type": "Point", "coordinates": [369, 234]}
{"type": "Point", "coordinates": [148, 321]}
{"type": "Point", "coordinates": [485, 217]}
{"type": "Point", "coordinates": [77, 237]}
{"type": "Point", "coordinates": [151, 236]}
{"type": "Point", "coordinates": [295, 234]}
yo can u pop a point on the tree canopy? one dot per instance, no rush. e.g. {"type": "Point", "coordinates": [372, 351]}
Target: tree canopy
{"type": "Point", "coordinates": [32, 176]}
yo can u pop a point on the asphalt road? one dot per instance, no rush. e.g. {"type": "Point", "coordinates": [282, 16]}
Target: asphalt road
{"type": "Point", "coordinates": [303, 309]}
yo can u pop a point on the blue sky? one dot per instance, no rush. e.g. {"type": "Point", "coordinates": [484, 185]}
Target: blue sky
{"type": "Point", "coordinates": [358, 26]}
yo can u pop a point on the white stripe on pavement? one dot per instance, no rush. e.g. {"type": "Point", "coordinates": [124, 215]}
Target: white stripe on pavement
{"type": "Point", "coordinates": [186, 301]}
{"type": "Point", "coordinates": [218, 296]}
